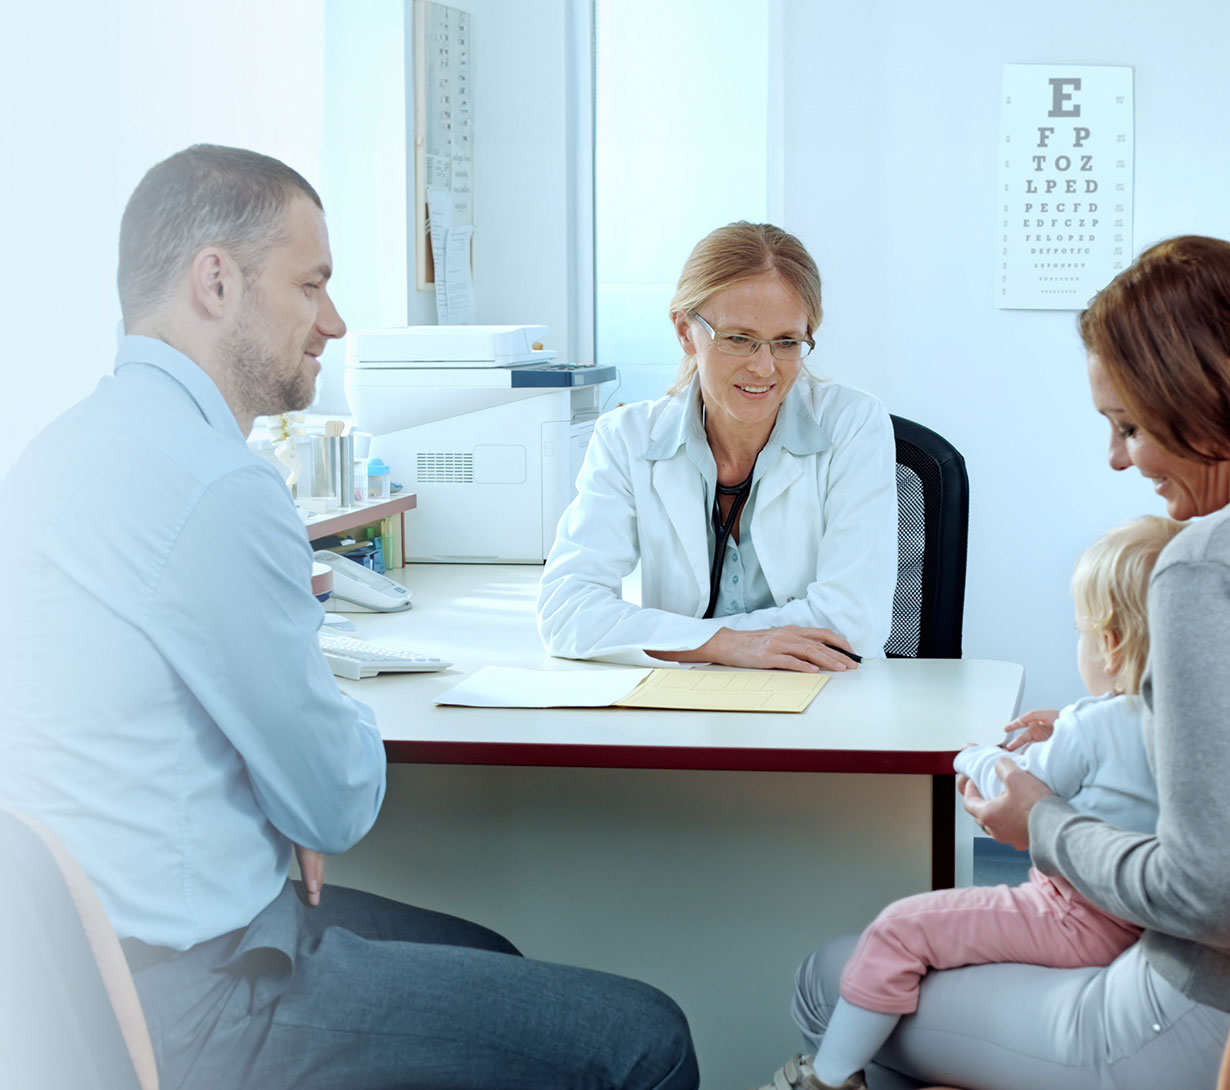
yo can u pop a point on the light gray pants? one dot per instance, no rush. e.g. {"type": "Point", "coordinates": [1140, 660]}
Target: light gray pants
{"type": "Point", "coordinates": [1022, 1027]}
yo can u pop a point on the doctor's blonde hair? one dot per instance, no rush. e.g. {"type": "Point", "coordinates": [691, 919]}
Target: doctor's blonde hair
{"type": "Point", "coordinates": [734, 253]}
{"type": "Point", "coordinates": [1110, 587]}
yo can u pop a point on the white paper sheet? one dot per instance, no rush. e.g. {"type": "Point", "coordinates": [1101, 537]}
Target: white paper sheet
{"type": "Point", "coordinates": [450, 247]}
{"type": "Point", "coordinates": [513, 687]}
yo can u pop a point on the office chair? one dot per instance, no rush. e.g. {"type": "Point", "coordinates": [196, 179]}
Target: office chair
{"type": "Point", "coordinates": [932, 527]}
{"type": "Point", "coordinates": [69, 1012]}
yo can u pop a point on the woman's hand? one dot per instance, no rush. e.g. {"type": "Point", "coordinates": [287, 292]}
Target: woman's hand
{"type": "Point", "coordinates": [1035, 726]}
{"type": "Point", "coordinates": [1006, 816]}
{"type": "Point", "coordinates": [789, 647]}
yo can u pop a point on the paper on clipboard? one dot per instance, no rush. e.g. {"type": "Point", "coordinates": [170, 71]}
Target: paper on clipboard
{"type": "Point", "coordinates": [683, 690]}
{"type": "Point", "coordinates": [448, 213]}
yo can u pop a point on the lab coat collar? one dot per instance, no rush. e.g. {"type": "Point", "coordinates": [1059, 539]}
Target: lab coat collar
{"type": "Point", "coordinates": [137, 350]}
{"type": "Point", "coordinates": [679, 422]}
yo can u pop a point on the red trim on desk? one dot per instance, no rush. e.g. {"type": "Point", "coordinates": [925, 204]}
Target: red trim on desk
{"type": "Point", "coordinates": [549, 755]}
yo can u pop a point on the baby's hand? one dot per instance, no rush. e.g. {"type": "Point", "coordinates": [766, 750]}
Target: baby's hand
{"type": "Point", "coordinates": [1034, 726]}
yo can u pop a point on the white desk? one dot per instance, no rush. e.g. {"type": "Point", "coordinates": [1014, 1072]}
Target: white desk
{"type": "Point", "coordinates": [703, 852]}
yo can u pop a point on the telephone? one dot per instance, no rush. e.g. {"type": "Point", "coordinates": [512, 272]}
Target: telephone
{"type": "Point", "coordinates": [357, 589]}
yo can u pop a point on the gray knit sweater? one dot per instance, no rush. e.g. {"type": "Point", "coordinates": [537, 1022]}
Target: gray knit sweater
{"type": "Point", "coordinates": [1175, 884]}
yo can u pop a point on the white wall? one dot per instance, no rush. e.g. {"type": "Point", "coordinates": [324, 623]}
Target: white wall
{"type": "Point", "coordinates": [95, 94]}
{"type": "Point", "coordinates": [363, 174]}
{"type": "Point", "coordinates": [890, 118]}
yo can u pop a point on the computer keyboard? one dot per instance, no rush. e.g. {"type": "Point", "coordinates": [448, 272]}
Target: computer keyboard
{"type": "Point", "coordinates": [357, 659]}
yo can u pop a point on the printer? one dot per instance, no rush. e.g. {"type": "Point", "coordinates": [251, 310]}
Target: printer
{"type": "Point", "coordinates": [484, 425]}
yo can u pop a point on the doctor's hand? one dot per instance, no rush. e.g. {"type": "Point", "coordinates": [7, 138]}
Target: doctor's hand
{"type": "Point", "coordinates": [1035, 726]}
{"type": "Point", "coordinates": [1006, 816]}
{"type": "Point", "coordinates": [312, 870]}
{"type": "Point", "coordinates": [789, 647]}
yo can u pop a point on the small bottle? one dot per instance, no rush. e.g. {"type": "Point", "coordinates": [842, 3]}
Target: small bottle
{"type": "Point", "coordinates": [377, 480]}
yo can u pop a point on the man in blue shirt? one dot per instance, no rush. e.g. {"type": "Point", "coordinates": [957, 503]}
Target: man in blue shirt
{"type": "Point", "coordinates": [173, 720]}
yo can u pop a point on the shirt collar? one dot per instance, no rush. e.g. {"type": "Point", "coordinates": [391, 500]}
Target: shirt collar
{"type": "Point", "coordinates": [148, 351]}
{"type": "Point", "coordinates": [795, 429]}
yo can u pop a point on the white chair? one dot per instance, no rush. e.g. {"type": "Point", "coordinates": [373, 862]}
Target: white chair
{"type": "Point", "coordinates": [69, 1012]}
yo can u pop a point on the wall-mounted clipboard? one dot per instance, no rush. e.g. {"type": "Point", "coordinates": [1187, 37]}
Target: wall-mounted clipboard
{"type": "Point", "coordinates": [443, 128]}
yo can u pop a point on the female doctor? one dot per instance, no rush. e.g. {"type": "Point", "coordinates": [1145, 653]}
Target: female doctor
{"type": "Point", "coordinates": [759, 501]}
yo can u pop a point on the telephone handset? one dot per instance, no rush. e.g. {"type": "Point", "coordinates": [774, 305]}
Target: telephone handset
{"type": "Point", "coordinates": [368, 591]}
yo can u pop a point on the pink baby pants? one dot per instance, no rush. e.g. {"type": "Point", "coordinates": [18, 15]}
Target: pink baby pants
{"type": "Point", "coordinates": [1042, 922]}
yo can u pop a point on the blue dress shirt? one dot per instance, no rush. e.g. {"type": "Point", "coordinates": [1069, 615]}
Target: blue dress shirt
{"type": "Point", "coordinates": [169, 712]}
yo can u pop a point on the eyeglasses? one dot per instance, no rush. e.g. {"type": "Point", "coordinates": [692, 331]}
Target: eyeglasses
{"type": "Point", "coordinates": [740, 344]}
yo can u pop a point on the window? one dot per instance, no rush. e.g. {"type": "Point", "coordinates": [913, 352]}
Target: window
{"type": "Point", "coordinates": [680, 147]}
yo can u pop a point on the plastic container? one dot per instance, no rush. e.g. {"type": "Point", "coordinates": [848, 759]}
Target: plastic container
{"type": "Point", "coordinates": [377, 480]}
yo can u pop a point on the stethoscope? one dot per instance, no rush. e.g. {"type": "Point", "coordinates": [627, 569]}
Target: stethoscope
{"type": "Point", "coordinates": [722, 528]}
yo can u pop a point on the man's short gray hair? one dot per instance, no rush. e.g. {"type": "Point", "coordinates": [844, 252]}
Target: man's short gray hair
{"type": "Point", "coordinates": [205, 195]}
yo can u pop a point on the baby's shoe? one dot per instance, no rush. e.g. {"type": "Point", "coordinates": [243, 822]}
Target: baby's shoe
{"type": "Point", "coordinates": [797, 1074]}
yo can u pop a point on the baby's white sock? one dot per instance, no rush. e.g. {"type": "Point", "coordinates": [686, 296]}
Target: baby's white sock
{"type": "Point", "coordinates": [853, 1036]}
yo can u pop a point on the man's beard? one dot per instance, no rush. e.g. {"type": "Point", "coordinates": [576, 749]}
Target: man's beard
{"type": "Point", "coordinates": [259, 383]}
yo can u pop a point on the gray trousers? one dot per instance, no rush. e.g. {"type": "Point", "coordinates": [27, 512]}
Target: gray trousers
{"type": "Point", "coordinates": [363, 993]}
{"type": "Point", "coordinates": [1024, 1027]}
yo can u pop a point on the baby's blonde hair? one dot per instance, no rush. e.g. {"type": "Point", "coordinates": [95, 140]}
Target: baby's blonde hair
{"type": "Point", "coordinates": [1110, 588]}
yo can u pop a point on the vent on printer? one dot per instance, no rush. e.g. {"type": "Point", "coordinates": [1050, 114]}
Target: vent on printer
{"type": "Point", "coordinates": [444, 467]}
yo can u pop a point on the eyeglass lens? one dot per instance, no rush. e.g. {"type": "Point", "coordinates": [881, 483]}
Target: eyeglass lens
{"type": "Point", "coordinates": [736, 344]}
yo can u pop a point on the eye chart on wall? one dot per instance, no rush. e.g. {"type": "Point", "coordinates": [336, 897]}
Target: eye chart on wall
{"type": "Point", "coordinates": [1064, 219]}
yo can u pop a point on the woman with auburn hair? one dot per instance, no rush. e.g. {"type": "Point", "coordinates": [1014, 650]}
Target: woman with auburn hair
{"type": "Point", "coordinates": [1158, 341]}
{"type": "Point", "coordinates": [759, 501]}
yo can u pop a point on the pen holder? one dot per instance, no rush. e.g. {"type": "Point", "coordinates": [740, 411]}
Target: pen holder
{"type": "Point", "coordinates": [313, 487]}
{"type": "Point", "coordinates": [339, 467]}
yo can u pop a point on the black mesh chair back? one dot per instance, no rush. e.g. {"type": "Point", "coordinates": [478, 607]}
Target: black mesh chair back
{"type": "Point", "coordinates": [932, 527]}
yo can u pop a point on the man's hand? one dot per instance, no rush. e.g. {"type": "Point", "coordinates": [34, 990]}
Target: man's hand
{"type": "Point", "coordinates": [1006, 816]}
{"type": "Point", "coordinates": [1035, 726]}
{"type": "Point", "coordinates": [312, 870]}
{"type": "Point", "coordinates": [789, 647]}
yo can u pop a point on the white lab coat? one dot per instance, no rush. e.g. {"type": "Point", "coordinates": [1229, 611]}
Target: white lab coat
{"type": "Point", "coordinates": [824, 527]}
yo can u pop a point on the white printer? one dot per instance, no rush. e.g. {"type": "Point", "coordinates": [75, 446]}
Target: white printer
{"type": "Point", "coordinates": [484, 425]}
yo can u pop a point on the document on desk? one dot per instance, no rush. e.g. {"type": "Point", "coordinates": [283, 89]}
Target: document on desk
{"type": "Point", "coordinates": [683, 690]}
